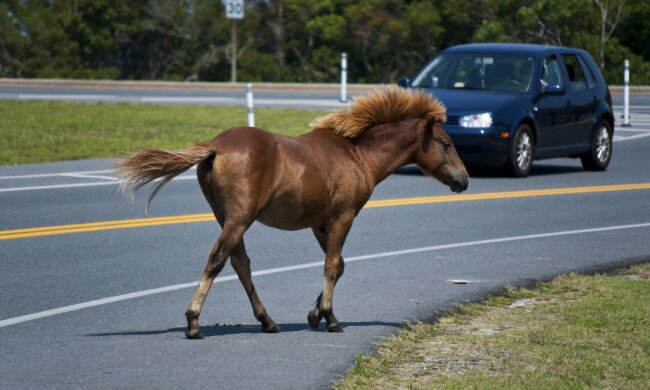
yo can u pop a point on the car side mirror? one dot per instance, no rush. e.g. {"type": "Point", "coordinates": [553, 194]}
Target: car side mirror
{"type": "Point", "coordinates": [554, 89]}
{"type": "Point", "coordinates": [404, 82]}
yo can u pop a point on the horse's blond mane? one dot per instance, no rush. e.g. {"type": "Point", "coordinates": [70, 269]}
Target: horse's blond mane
{"type": "Point", "coordinates": [385, 104]}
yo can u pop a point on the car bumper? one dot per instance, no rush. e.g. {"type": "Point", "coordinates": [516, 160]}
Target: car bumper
{"type": "Point", "coordinates": [485, 147]}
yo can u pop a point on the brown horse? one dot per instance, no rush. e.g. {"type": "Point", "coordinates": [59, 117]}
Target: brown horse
{"type": "Point", "coordinates": [319, 180]}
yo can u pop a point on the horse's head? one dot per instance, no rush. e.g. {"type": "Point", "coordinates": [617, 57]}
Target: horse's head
{"type": "Point", "coordinates": [438, 158]}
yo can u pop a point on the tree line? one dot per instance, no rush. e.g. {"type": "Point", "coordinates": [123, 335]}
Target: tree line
{"type": "Point", "coordinates": [301, 40]}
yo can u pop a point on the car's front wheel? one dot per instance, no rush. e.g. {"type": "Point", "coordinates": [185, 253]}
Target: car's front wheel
{"type": "Point", "coordinates": [522, 150]}
{"type": "Point", "coordinates": [600, 148]}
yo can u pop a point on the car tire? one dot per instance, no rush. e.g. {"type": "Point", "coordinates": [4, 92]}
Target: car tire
{"type": "Point", "coordinates": [522, 150]}
{"type": "Point", "coordinates": [600, 148]}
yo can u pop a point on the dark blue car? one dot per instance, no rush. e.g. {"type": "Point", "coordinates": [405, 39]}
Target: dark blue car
{"type": "Point", "coordinates": [510, 104]}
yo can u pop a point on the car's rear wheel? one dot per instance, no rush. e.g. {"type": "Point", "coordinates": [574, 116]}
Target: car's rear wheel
{"type": "Point", "coordinates": [600, 148]}
{"type": "Point", "coordinates": [521, 152]}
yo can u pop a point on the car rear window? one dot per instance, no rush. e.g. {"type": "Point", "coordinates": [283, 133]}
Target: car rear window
{"type": "Point", "coordinates": [579, 75]}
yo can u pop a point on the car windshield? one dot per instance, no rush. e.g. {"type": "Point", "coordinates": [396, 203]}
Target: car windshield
{"type": "Point", "coordinates": [478, 71]}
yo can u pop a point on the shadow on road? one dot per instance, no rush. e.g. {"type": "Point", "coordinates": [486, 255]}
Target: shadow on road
{"type": "Point", "coordinates": [227, 329]}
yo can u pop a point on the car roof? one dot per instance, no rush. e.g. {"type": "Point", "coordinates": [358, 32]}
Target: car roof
{"type": "Point", "coordinates": [510, 48]}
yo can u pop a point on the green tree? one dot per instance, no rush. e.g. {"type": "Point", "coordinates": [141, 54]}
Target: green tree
{"type": "Point", "coordinates": [301, 40]}
{"type": "Point", "coordinates": [13, 42]}
{"type": "Point", "coordinates": [634, 31]}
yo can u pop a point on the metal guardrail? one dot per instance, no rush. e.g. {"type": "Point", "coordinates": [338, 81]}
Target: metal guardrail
{"type": "Point", "coordinates": [185, 85]}
{"type": "Point", "coordinates": [634, 89]}
{"type": "Point", "coordinates": [226, 86]}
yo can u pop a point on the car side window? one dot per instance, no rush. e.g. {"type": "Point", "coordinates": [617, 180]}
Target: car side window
{"type": "Point", "coordinates": [591, 80]}
{"type": "Point", "coordinates": [576, 72]}
{"type": "Point", "coordinates": [551, 74]}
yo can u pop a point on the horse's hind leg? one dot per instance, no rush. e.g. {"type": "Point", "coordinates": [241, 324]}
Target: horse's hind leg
{"type": "Point", "coordinates": [229, 238]}
{"type": "Point", "coordinates": [315, 316]}
{"type": "Point", "coordinates": [241, 263]}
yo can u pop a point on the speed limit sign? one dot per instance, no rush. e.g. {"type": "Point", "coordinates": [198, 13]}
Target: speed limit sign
{"type": "Point", "coordinates": [235, 9]}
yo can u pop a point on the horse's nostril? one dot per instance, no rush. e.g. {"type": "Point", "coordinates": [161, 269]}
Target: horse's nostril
{"type": "Point", "coordinates": [459, 185]}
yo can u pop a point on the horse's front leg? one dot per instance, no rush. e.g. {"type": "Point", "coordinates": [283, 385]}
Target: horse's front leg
{"type": "Point", "coordinates": [331, 241]}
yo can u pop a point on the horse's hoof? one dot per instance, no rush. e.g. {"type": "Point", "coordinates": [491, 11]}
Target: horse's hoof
{"type": "Point", "coordinates": [314, 318]}
{"type": "Point", "coordinates": [272, 328]}
{"type": "Point", "coordinates": [194, 335]}
{"type": "Point", "coordinates": [335, 328]}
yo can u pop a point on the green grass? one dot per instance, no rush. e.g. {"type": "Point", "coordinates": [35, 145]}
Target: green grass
{"type": "Point", "coordinates": [34, 132]}
{"type": "Point", "coordinates": [574, 332]}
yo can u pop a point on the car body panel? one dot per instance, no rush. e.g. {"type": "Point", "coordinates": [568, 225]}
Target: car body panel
{"type": "Point", "coordinates": [562, 119]}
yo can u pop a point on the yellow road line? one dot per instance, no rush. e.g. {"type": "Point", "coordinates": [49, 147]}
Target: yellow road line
{"type": "Point", "coordinates": [98, 226]}
{"type": "Point", "coordinates": [507, 195]}
{"type": "Point", "coordinates": [153, 220]}
{"type": "Point", "coordinates": [191, 218]}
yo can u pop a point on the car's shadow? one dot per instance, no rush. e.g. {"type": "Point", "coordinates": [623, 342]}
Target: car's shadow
{"type": "Point", "coordinates": [230, 329]}
{"type": "Point", "coordinates": [537, 170]}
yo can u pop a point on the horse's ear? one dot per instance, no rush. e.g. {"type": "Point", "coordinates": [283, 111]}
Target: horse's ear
{"type": "Point", "coordinates": [432, 122]}
{"type": "Point", "coordinates": [428, 132]}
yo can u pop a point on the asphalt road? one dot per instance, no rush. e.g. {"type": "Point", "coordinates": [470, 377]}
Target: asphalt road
{"type": "Point", "coordinates": [92, 291]}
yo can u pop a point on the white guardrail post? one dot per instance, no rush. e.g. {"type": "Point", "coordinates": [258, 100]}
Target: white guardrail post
{"type": "Point", "coordinates": [344, 77]}
{"type": "Point", "coordinates": [626, 94]}
{"type": "Point", "coordinates": [249, 105]}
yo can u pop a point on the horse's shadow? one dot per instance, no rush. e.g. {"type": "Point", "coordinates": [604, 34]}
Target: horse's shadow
{"type": "Point", "coordinates": [232, 329]}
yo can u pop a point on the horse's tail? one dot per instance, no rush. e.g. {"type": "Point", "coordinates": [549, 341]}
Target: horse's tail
{"type": "Point", "coordinates": [150, 164]}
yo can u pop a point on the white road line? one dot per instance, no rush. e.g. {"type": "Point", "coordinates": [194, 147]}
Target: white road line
{"type": "Point", "coordinates": [76, 185]}
{"type": "Point", "coordinates": [55, 186]}
{"type": "Point", "coordinates": [237, 101]}
{"type": "Point", "coordinates": [65, 97]}
{"type": "Point", "coordinates": [631, 137]}
{"type": "Point", "coordinates": [80, 176]}
{"type": "Point", "coordinates": [191, 99]}
{"type": "Point", "coordinates": [270, 271]}
{"type": "Point", "coordinates": [55, 174]}
{"type": "Point", "coordinates": [634, 129]}
{"type": "Point", "coordinates": [617, 107]}
{"type": "Point", "coordinates": [40, 175]}
{"type": "Point", "coordinates": [636, 121]}
{"type": "Point", "coordinates": [302, 102]}
{"type": "Point", "coordinates": [241, 101]}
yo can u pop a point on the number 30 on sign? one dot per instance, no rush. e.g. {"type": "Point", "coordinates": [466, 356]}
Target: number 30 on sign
{"type": "Point", "coordinates": [234, 9]}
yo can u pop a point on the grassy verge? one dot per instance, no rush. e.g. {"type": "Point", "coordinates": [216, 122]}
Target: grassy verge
{"type": "Point", "coordinates": [33, 132]}
{"type": "Point", "coordinates": [573, 332]}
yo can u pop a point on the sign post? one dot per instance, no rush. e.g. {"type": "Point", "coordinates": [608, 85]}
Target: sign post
{"type": "Point", "coordinates": [344, 78]}
{"type": "Point", "coordinates": [626, 94]}
{"type": "Point", "coordinates": [249, 105]}
{"type": "Point", "coordinates": [234, 12]}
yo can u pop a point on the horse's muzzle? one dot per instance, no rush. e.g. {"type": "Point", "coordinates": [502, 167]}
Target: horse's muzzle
{"type": "Point", "coordinates": [459, 184]}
